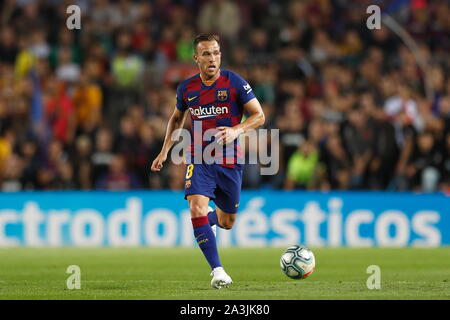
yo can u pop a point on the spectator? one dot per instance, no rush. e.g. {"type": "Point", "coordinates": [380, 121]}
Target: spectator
{"type": "Point", "coordinates": [118, 177]}
{"type": "Point", "coordinates": [337, 164]}
{"type": "Point", "coordinates": [65, 41]}
{"type": "Point", "coordinates": [47, 173]}
{"type": "Point", "coordinates": [221, 16]}
{"type": "Point", "coordinates": [126, 66]}
{"type": "Point", "coordinates": [168, 44]}
{"type": "Point", "coordinates": [59, 110]}
{"type": "Point", "coordinates": [13, 168]}
{"type": "Point", "coordinates": [7, 141]}
{"type": "Point", "coordinates": [28, 152]}
{"type": "Point", "coordinates": [402, 109]}
{"type": "Point", "coordinates": [424, 164]}
{"type": "Point", "coordinates": [8, 47]}
{"type": "Point", "coordinates": [291, 124]}
{"type": "Point", "coordinates": [124, 14]}
{"type": "Point", "coordinates": [65, 178]}
{"type": "Point", "coordinates": [146, 151]}
{"type": "Point", "coordinates": [87, 100]}
{"type": "Point", "coordinates": [445, 168]}
{"type": "Point", "coordinates": [103, 153]}
{"type": "Point", "coordinates": [102, 16]}
{"type": "Point", "coordinates": [184, 47]}
{"type": "Point", "coordinates": [127, 69]}
{"type": "Point", "coordinates": [38, 45]}
{"type": "Point", "coordinates": [358, 138]}
{"type": "Point", "coordinates": [127, 140]}
{"type": "Point", "coordinates": [304, 170]}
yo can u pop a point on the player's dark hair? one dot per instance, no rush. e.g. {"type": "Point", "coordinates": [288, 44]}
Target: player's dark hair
{"type": "Point", "coordinates": [205, 37]}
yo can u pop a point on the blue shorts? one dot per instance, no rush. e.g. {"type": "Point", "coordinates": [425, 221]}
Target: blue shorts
{"type": "Point", "coordinates": [220, 184]}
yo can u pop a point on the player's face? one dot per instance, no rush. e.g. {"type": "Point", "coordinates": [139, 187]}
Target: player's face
{"type": "Point", "coordinates": [207, 57]}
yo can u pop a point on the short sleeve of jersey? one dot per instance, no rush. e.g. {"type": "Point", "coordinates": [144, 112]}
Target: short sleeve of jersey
{"type": "Point", "coordinates": [180, 102]}
{"type": "Point", "coordinates": [243, 90]}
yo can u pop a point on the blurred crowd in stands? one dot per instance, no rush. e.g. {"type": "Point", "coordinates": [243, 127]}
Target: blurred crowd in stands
{"type": "Point", "coordinates": [87, 109]}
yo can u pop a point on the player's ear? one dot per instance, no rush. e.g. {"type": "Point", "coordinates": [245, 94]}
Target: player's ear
{"type": "Point", "coordinates": [195, 54]}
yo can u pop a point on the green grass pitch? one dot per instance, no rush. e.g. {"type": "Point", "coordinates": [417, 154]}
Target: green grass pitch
{"type": "Point", "coordinates": [182, 273]}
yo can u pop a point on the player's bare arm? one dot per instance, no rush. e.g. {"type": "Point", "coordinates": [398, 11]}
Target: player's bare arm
{"type": "Point", "coordinates": [176, 121]}
{"type": "Point", "coordinates": [256, 119]}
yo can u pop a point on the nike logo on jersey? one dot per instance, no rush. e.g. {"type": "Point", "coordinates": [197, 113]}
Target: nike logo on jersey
{"type": "Point", "coordinates": [192, 98]}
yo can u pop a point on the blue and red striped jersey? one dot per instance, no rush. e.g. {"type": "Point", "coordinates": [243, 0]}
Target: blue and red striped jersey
{"type": "Point", "coordinates": [220, 104]}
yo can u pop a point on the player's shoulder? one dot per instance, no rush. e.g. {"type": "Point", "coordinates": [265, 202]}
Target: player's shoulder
{"type": "Point", "coordinates": [235, 80]}
{"type": "Point", "coordinates": [231, 75]}
{"type": "Point", "coordinates": [242, 87]}
{"type": "Point", "coordinates": [184, 83]}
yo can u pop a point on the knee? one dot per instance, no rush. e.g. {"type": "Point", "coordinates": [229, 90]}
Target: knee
{"type": "Point", "coordinates": [198, 210]}
{"type": "Point", "coordinates": [228, 222]}
{"type": "Point", "coordinates": [227, 225]}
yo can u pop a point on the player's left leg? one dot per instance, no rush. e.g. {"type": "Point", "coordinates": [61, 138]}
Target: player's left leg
{"type": "Point", "coordinates": [219, 218]}
{"type": "Point", "coordinates": [225, 220]}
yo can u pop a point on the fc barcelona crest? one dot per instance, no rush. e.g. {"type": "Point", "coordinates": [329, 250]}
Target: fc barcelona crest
{"type": "Point", "coordinates": [222, 95]}
{"type": "Point", "coordinates": [187, 184]}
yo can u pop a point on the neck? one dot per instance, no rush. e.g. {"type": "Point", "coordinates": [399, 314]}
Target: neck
{"type": "Point", "coordinates": [206, 80]}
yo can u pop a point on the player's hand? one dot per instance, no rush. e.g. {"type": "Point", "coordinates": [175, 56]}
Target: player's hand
{"type": "Point", "coordinates": [226, 135]}
{"type": "Point", "coordinates": [158, 162]}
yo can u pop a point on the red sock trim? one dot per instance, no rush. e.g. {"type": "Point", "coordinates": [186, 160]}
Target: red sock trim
{"type": "Point", "coordinates": [199, 221]}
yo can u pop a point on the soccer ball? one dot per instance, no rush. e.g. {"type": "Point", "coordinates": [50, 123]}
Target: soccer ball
{"type": "Point", "coordinates": [297, 262]}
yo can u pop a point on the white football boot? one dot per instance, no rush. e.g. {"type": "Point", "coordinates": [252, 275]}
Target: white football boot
{"type": "Point", "coordinates": [220, 278]}
{"type": "Point", "coordinates": [214, 227]}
